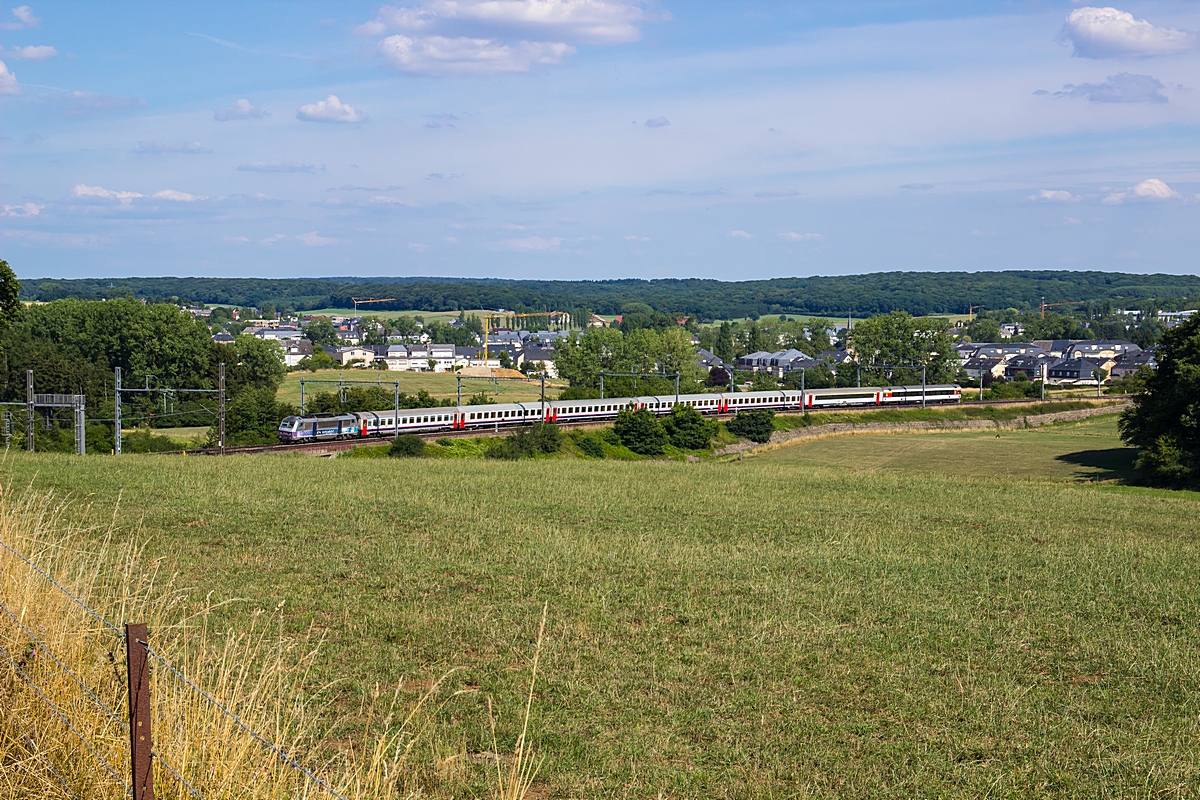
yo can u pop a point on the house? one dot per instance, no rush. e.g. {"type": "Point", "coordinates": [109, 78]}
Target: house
{"type": "Point", "coordinates": [786, 361]}
{"type": "Point", "coordinates": [540, 359]}
{"type": "Point", "coordinates": [964, 350]}
{"type": "Point", "coordinates": [1028, 365]}
{"type": "Point", "coordinates": [1100, 349]}
{"type": "Point", "coordinates": [754, 361]}
{"type": "Point", "coordinates": [473, 357]}
{"type": "Point", "coordinates": [981, 366]}
{"type": "Point", "coordinates": [1005, 351]}
{"type": "Point", "coordinates": [547, 338]}
{"type": "Point", "coordinates": [223, 337]}
{"type": "Point", "coordinates": [506, 337]}
{"type": "Point", "coordinates": [1010, 329]}
{"type": "Point", "coordinates": [443, 357]}
{"type": "Point", "coordinates": [1130, 363]}
{"type": "Point", "coordinates": [597, 322]}
{"type": "Point", "coordinates": [708, 360]}
{"type": "Point", "coordinates": [350, 335]}
{"type": "Point", "coordinates": [295, 350]}
{"type": "Point", "coordinates": [346, 355]}
{"type": "Point", "coordinates": [276, 334]}
{"type": "Point", "coordinates": [1073, 370]}
{"type": "Point", "coordinates": [1055, 347]}
{"type": "Point", "coordinates": [1172, 318]}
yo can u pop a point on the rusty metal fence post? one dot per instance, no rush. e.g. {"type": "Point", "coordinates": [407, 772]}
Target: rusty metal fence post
{"type": "Point", "coordinates": [140, 742]}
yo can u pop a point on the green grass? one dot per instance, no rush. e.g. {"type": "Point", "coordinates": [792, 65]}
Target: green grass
{"type": "Point", "coordinates": [817, 621]}
{"type": "Point", "coordinates": [931, 414]}
{"type": "Point", "coordinates": [199, 431]}
{"type": "Point", "coordinates": [438, 384]}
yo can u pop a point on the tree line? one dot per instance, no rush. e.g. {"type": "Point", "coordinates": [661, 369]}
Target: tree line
{"type": "Point", "coordinates": [918, 293]}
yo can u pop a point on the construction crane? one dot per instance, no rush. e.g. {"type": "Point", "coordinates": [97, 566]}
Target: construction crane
{"type": "Point", "coordinates": [971, 312]}
{"type": "Point", "coordinates": [1046, 305]}
{"type": "Point", "coordinates": [487, 325]}
{"type": "Point", "coordinates": [358, 300]}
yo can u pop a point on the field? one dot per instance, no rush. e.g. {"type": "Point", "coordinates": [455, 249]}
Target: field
{"type": "Point", "coordinates": [438, 384]}
{"type": "Point", "coordinates": [879, 616]}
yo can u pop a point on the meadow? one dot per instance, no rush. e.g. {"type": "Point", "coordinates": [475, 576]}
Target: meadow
{"type": "Point", "coordinates": [919, 616]}
{"type": "Point", "coordinates": [441, 385]}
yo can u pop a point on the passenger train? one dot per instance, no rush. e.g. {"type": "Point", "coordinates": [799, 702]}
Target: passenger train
{"type": "Point", "coordinates": [367, 424]}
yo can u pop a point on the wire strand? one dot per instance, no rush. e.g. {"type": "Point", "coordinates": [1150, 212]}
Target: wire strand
{"type": "Point", "coordinates": [177, 776]}
{"type": "Point", "coordinates": [66, 721]}
{"type": "Point", "coordinates": [64, 590]}
{"type": "Point", "coordinates": [255, 735]}
{"type": "Point", "coordinates": [65, 668]}
{"type": "Point", "coordinates": [37, 751]}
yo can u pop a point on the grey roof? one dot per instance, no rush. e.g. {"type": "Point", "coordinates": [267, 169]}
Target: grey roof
{"type": "Point", "coordinates": [224, 337]}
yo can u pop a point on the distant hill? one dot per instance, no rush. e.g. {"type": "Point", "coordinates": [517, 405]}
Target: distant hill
{"type": "Point", "coordinates": [919, 293]}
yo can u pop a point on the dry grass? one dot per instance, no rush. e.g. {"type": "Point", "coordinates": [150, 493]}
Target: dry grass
{"type": "Point", "coordinates": [53, 648]}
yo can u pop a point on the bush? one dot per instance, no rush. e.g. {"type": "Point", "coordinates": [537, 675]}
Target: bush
{"type": "Point", "coordinates": [687, 429]}
{"type": "Point", "coordinates": [590, 446]}
{"type": "Point", "coordinates": [640, 432]}
{"type": "Point", "coordinates": [407, 445]}
{"type": "Point", "coordinates": [542, 437]}
{"type": "Point", "coordinates": [757, 426]}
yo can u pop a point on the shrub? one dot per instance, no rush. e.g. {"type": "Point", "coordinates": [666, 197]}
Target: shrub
{"type": "Point", "coordinates": [590, 446]}
{"type": "Point", "coordinates": [757, 426]}
{"type": "Point", "coordinates": [640, 432]}
{"type": "Point", "coordinates": [542, 437]}
{"type": "Point", "coordinates": [687, 429]}
{"type": "Point", "coordinates": [407, 445]}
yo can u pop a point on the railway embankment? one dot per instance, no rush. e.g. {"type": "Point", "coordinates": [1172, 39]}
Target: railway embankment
{"type": "Point", "coordinates": [784, 438]}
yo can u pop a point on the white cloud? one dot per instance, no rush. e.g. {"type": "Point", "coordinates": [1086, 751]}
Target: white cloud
{"type": "Point", "coordinates": [388, 200]}
{"type": "Point", "coordinates": [591, 21]}
{"type": "Point", "coordinates": [331, 109]}
{"type": "Point", "coordinates": [242, 109]}
{"type": "Point", "coordinates": [276, 166]}
{"type": "Point", "coordinates": [155, 148]}
{"type": "Point", "coordinates": [1112, 33]}
{"type": "Point", "coordinates": [83, 191]}
{"type": "Point", "coordinates": [8, 81]}
{"type": "Point", "coordinates": [1124, 87]}
{"type": "Point", "coordinates": [657, 122]}
{"type": "Point", "coordinates": [450, 240]}
{"type": "Point", "coordinates": [439, 55]}
{"type": "Point", "coordinates": [25, 19]}
{"type": "Point", "coordinates": [1054, 196]}
{"type": "Point", "coordinates": [312, 239]}
{"type": "Point", "coordinates": [530, 244]}
{"type": "Point", "coordinates": [24, 210]}
{"type": "Point", "coordinates": [272, 239]}
{"type": "Point", "coordinates": [417, 247]}
{"type": "Point", "coordinates": [740, 235]}
{"type": "Point", "coordinates": [792, 236]}
{"type": "Point", "coordinates": [777, 193]}
{"type": "Point", "coordinates": [1149, 189]}
{"type": "Point", "coordinates": [39, 52]}
{"type": "Point", "coordinates": [179, 197]}
{"type": "Point", "coordinates": [637, 238]}
{"type": "Point", "coordinates": [237, 239]}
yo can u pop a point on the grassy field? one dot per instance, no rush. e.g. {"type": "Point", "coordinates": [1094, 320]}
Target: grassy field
{"type": "Point", "coordinates": [438, 384]}
{"type": "Point", "coordinates": [944, 615]}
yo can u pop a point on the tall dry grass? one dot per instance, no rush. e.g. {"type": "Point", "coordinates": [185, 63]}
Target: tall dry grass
{"type": "Point", "coordinates": [59, 741]}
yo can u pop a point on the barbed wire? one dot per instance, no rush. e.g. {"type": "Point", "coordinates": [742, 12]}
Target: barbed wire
{"type": "Point", "coordinates": [37, 751]}
{"type": "Point", "coordinates": [65, 668]}
{"type": "Point", "coordinates": [63, 717]}
{"type": "Point", "coordinates": [178, 777]}
{"type": "Point", "coordinates": [284, 757]}
{"type": "Point", "coordinates": [65, 591]}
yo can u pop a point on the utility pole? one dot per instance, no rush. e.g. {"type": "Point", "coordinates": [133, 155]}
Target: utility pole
{"type": "Point", "coordinates": [80, 425]}
{"type": "Point", "coordinates": [601, 385]}
{"type": "Point", "coordinates": [117, 413]}
{"type": "Point", "coordinates": [221, 407]}
{"type": "Point", "coordinates": [1043, 380]}
{"type": "Point", "coordinates": [543, 395]}
{"type": "Point", "coordinates": [302, 397]}
{"type": "Point", "coordinates": [922, 386]}
{"type": "Point", "coordinates": [29, 410]}
{"type": "Point", "coordinates": [396, 418]}
{"type": "Point", "coordinates": [458, 375]}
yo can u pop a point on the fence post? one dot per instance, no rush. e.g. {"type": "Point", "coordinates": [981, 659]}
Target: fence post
{"type": "Point", "coordinates": [140, 742]}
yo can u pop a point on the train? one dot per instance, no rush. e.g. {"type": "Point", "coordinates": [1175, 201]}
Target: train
{"type": "Point", "coordinates": [389, 423]}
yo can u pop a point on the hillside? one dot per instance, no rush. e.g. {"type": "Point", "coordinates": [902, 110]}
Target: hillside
{"type": "Point", "coordinates": [919, 293]}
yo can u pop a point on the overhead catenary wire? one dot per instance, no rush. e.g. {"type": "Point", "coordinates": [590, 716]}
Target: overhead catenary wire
{"type": "Point", "coordinates": [65, 591]}
{"type": "Point", "coordinates": [46, 649]}
{"type": "Point", "coordinates": [63, 717]}
{"type": "Point", "coordinates": [284, 757]}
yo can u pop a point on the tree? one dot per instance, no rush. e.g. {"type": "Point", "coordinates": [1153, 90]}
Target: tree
{"type": "Point", "coordinates": [253, 417]}
{"type": "Point", "coordinates": [1164, 422]}
{"type": "Point", "coordinates": [320, 331]}
{"type": "Point", "coordinates": [640, 431]}
{"type": "Point", "coordinates": [407, 445]}
{"type": "Point", "coordinates": [984, 330]}
{"type": "Point", "coordinates": [757, 425]}
{"type": "Point", "coordinates": [505, 360]}
{"type": "Point", "coordinates": [898, 339]}
{"type": "Point", "coordinates": [717, 376]}
{"type": "Point", "coordinates": [687, 428]}
{"type": "Point", "coordinates": [10, 293]}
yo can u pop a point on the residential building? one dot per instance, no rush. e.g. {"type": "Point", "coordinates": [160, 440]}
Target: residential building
{"type": "Point", "coordinates": [223, 337]}
{"type": "Point", "coordinates": [346, 355]}
{"type": "Point", "coordinates": [1010, 329]}
{"type": "Point", "coordinates": [978, 366]}
{"type": "Point", "coordinates": [707, 360]}
{"type": "Point", "coordinates": [1073, 371]}
{"type": "Point", "coordinates": [275, 334]}
{"type": "Point", "coordinates": [1028, 365]}
{"type": "Point", "coordinates": [547, 338]}
{"type": "Point", "coordinates": [1100, 349]}
{"type": "Point", "coordinates": [296, 350]}
{"type": "Point", "coordinates": [473, 357]}
{"type": "Point", "coordinates": [1130, 363]}
{"type": "Point", "coordinates": [540, 359]}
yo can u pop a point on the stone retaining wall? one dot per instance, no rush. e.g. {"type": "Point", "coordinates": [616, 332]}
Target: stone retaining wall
{"type": "Point", "coordinates": [797, 435]}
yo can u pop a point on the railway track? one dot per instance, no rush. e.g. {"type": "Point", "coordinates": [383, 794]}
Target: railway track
{"type": "Point", "coordinates": [332, 447]}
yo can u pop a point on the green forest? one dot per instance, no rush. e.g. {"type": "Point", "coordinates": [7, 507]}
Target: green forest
{"type": "Point", "coordinates": [918, 293]}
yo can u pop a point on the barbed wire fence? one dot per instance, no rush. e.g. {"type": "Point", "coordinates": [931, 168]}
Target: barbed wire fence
{"type": "Point", "coordinates": [135, 774]}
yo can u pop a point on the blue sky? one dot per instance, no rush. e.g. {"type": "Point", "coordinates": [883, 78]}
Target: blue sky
{"type": "Point", "coordinates": [597, 138]}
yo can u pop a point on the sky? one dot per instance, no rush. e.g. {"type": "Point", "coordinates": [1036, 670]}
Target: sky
{"type": "Point", "coordinates": [596, 139]}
